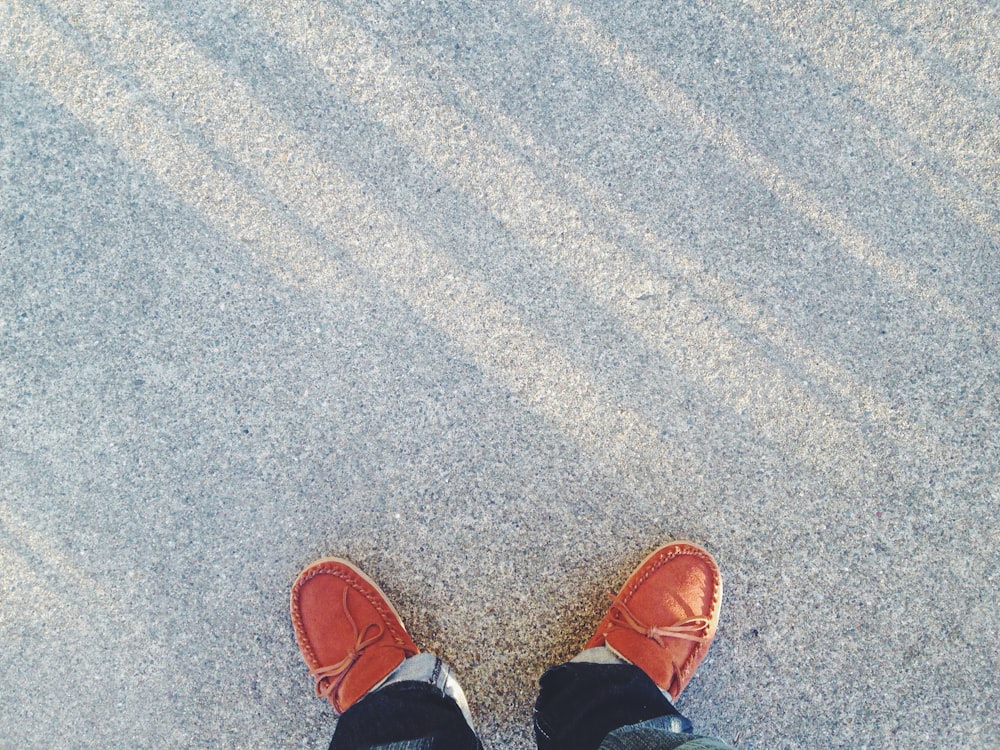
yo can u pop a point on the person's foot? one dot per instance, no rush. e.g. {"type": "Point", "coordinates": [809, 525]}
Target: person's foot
{"type": "Point", "coordinates": [350, 635]}
{"type": "Point", "coordinates": [664, 618]}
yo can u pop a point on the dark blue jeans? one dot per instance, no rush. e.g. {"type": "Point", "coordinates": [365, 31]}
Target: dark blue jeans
{"type": "Point", "coordinates": [581, 706]}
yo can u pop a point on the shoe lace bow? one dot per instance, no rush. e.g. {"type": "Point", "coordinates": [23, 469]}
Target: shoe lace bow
{"type": "Point", "coordinates": [329, 678]}
{"type": "Point", "coordinates": [689, 629]}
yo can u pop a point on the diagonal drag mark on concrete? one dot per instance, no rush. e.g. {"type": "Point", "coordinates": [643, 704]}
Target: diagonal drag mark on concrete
{"type": "Point", "coordinates": [892, 80]}
{"type": "Point", "coordinates": [955, 190]}
{"type": "Point", "coordinates": [37, 51]}
{"type": "Point", "coordinates": [861, 402]}
{"type": "Point", "coordinates": [541, 376]}
{"type": "Point", "coordinates": [26, 599]}
{"type": "Point", "coordinates": [957, 193]}
{"type": "Point", "coordinates": [55, 582]}
{"type": "Point", "coordinates": [675, 104]}
{"type": "Point", "coordinates": [973, 60]}
{"type": "Point", "coordinates": [726, 366]}
{"type": "Point", "coordinates": [48, 603]}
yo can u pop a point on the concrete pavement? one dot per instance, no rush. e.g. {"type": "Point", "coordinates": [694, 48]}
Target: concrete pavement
{"type": "Point", "coordinates": [493, 299]}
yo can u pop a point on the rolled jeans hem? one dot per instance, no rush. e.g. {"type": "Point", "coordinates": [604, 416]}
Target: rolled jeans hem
{"type": "Point", "coordinates": [419, 706]}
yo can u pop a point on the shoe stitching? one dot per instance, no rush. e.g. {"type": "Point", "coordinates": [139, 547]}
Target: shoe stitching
{"type": "Point", "coordinates": [353, 582]}
{"type": "Point", "coordinates": [330, 678]}
{"type": "Point", "coordinates": [680, 673]}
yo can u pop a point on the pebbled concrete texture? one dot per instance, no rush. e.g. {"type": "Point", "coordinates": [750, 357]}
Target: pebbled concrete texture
{"type": "Point", "coordinates": [493, 299]}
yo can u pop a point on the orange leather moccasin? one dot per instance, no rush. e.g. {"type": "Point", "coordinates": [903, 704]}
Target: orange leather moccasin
{"type": "Point", "coordinates": [350, 635]}
{"type": "Point", "coordinates": [664, 618]}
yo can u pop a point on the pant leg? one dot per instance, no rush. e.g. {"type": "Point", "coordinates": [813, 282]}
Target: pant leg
{"type": "Point", "coordinates": [419, 707]}
{"type": "Point", "coordinates": [601, 701]}
{"type": "Point", "coordinates": [652, 735]}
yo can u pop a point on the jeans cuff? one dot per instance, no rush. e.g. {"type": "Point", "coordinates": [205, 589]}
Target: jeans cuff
{"type": "Point", "coordinates": [607, 655]}
{"type": "Point", "coordinates": [429, 669]}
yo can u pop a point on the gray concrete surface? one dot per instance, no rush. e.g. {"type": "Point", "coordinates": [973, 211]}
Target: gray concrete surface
{"type": "Point", "coordinates": [493, 298]}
